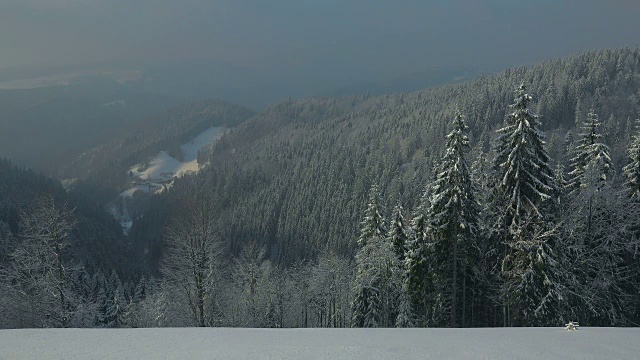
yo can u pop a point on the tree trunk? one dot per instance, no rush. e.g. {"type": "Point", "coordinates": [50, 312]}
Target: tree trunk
{"type": "Point", "coordinates": [454, 292]}
{"type": "Point", "coordinates": [63, 313]}
{"type": "Point", "coordinates": [464, 293]}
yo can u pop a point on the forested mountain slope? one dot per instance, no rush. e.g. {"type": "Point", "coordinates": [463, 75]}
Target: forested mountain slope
{"type": "Point", "coordinates": [97, 239]}
{"type": "Point", "coordinates": [61, 254]}
{"type": "Point", "coordinates": [295, 177]}
{"type": "Point", "coordinates": [292, 224]}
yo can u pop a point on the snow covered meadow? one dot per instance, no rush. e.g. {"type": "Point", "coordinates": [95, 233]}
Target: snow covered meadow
{"type": "Point", "coordinates": [295, 344]}
{"type": "Point", "coordinates": [164, 167]}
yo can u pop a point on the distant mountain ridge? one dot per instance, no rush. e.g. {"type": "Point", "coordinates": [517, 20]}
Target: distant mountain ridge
{"type": "Point", "coordinates": [44, 127]}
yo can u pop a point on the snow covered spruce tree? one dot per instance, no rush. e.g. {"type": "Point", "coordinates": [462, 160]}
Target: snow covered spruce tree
{"type": "Point", "coordinates": [524, 184]}
{"type": "Point", "coordinates": [373, 222]}
{"type": "Point", "coordinates": [486, 290]}
{"type": "Point", "coordinates": [116, 312]}
{"type": "Point", "coordinates": [590, 151]}
{"type": "Point", "coordinates": [534, 277]}
{"type": "Point", "coordinates": [525, 178]}
{"type": "Point", "coordinates": [417, 277]}
{"type": "Point", "coordinates": [378, 272]}
{"type": "Point", "coordinates": [398, 237]}
{"type": "Point", "coordinates": [632, 170]}
{"type": "Point", "coordinates": [191, 263]}
{"type": "Point", "coordinates": [397, 234]}
{"type": "Point", "coordinates": [454, 218]}
{"type": "Point", "coordinates": [561, 183]}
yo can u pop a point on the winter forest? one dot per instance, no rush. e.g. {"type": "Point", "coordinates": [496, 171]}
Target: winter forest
{"type": "Point", "coordinates": [508, 200]}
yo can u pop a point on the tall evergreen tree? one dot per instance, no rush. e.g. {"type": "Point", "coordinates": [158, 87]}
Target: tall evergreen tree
{"type": "Point", "coordinates": [378, 272]}
{"type": "Point", "coordinates": [453, 216]}
{"type": "Point", "coordinates": [525, 183]}
{"type": "Point", "coordinates": [590, 151]}
{"type": "Point", "coordinates": [525, 178]}
{"type": "Point", "coordinates": [632, 170]}
{"type": "Point", "coordinates": [115, 315]}
{"type": "Point", "coordinates": [397, 234]}
{"type": "Point", "coordinates": [418, 278]}
{"type": "Point", "coordinates": [533, 277]}
{"type": "Point", "coordinates": [406, 317]}
{"type": "Point", "coordinates": [560, 180]}
{"type": "Point", "coordinates": [486, 289]}
{"type": "Point", "coordinates": [373, 223]}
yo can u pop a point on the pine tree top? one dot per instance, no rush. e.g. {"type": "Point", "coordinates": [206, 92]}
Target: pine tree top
{"type": "Point", "coordinates": [632, 170]}
{"type": "Point", "coordinates": [525, 178]}
{"type": "Point", "coordinates": [373, 224]}
{"type": "Point", "coordinates": [453, 206]}
{"type": "Point", "coordinates": [590, 152]}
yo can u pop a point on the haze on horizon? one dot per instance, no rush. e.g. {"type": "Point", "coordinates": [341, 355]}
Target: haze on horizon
{"type": "Point", "coordinates": [309, 41]}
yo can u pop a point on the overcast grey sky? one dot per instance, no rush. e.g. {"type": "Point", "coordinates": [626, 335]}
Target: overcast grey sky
{"type": "Point", "coordinates": [311, 36]}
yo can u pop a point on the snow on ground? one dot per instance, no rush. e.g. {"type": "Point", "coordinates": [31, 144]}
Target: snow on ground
{"type": "Point", "coordinates": [129, 193]}
{"type": "Point", "coordinates": [311, 344]}
{"type": "Point", "coordinates": [207, 137]}
{"type": "Point", "coordinates": [160, 172]}
{"type": "Point", "coordinates": [161, 164]}
{"type": "Point", "coordinates": [163, 167]}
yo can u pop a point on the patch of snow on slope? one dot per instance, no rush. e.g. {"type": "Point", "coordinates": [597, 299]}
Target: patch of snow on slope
{"type": "Point", "coordinates": [207, 137]}
{"type": "Point", "coordinates": [163, 167]}
{"type": "Point", "coordinates": [313, 344]}
{"type": "Point", "coordinates": [158, 173]}
{"type": "Point", "coordinates": [162, 164]}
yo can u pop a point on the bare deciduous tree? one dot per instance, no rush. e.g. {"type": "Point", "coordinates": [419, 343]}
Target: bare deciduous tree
{"type": "Point", "coordinates": [39, 272]}
{"type": "Point", "coordinates": [192, 260]}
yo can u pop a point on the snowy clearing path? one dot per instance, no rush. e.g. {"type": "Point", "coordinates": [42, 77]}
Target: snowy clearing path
{"type": "Point", "coordinates": [295, 344]}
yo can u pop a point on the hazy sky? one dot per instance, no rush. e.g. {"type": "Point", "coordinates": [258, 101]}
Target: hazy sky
{"type": "Point", "coordinates": [311, 36]}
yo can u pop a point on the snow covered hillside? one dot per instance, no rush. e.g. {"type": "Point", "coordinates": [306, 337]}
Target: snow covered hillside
{"type": "Point", "coordinates": [163, 167]}
{"type": "Point", "coordinates": [294, 344]}
{"type": "Point", "coordinates": [158, 173]}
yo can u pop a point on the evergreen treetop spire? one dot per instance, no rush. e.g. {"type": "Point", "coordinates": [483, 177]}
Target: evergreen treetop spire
{"type": "Point", "coordinates": [373, 222]}
{"type": "Point", "coordinates": [632, 170]}
{"type": "Point", "coordinates": [397, 234]}
{"type": "Point", "coordinates": [590, 152]}
{"type": "Point", "coordinates": [522, 162]}
{"type": "Point", "coordinates": [453, 202]}
{"type": "Point", "coordinates": [453, 215]}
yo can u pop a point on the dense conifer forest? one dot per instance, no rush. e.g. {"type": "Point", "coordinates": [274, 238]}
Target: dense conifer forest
{"type": "Point", "coordinates": [508, 200]}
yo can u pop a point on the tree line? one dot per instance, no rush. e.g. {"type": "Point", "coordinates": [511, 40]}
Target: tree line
{"type": "Point", "coordinates": [545, 246]}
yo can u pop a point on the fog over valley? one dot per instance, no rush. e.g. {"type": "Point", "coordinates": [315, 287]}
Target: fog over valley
{"type": "Point", "coordinates": [255, 52]}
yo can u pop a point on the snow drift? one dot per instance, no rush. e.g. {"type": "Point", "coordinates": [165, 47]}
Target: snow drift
{"type": "Point", "coordinates": [294, 344]}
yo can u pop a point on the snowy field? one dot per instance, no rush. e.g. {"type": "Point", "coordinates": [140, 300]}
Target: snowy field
{"type": "Point", "coordinates": [298, 344]}
{"type": "Point", "coordinates": [163, 163]}
{"type": "Point", "coordinates": [164, 167]}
